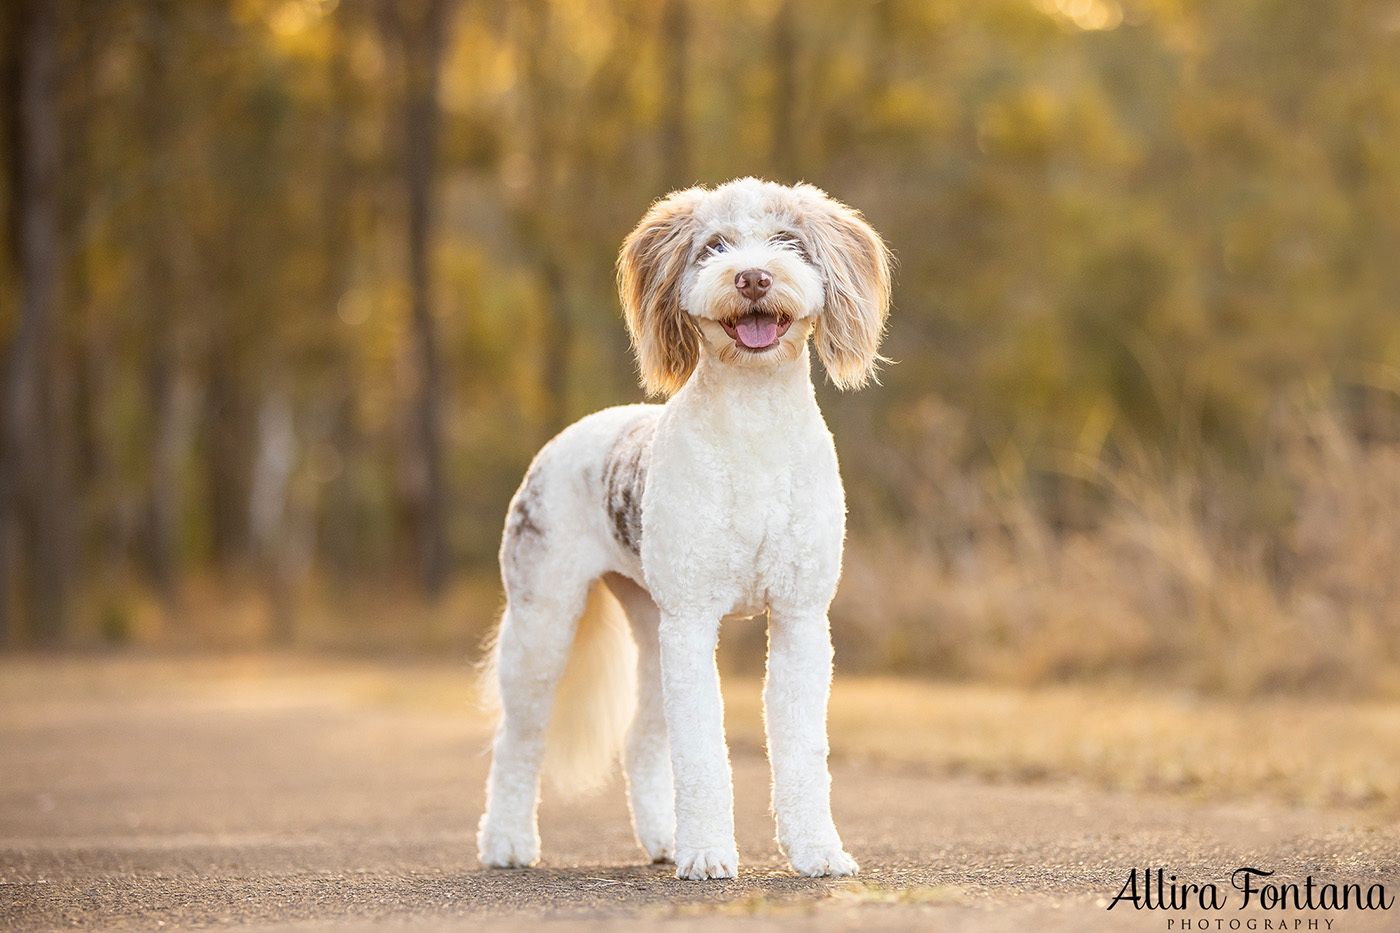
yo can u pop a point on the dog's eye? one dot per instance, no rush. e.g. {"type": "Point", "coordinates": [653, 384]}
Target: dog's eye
{"type": "Point", "coordinates": [789, 240]}
{"type": "Point", "coordinates": [717, 244]}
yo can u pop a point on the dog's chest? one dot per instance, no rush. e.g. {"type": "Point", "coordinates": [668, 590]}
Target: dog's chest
{"type": "Point", "coordinates": [746, 522]}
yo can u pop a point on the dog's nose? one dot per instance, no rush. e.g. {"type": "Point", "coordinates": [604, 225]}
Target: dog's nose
{"type": "Point", "coordinates": [753, 284]}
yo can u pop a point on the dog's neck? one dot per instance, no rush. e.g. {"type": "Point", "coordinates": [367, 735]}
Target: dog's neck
{"type": "Point", "coordinates": [749, 402]}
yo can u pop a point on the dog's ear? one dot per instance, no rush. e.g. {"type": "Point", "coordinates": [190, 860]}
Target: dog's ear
{"type": "Point", "coordinates": [856, 264]}
{"type": "Point", "coordinates": [649, 270]}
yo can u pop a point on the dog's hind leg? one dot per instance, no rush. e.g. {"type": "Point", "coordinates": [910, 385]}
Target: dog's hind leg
{"type": "Point", "coordinates": [532, 648]}
{"type": "Point", "coordinates": [650, 790]}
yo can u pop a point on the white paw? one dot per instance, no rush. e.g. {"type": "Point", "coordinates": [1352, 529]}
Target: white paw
{"type": "Point", "coordinates": [820, 862]}
{"type": "Point", "coordinates": [498, 849]}
{"type": "Point", "coordinates": [699, 864]}
{"type": "Point", "coordinates": [659, 847]}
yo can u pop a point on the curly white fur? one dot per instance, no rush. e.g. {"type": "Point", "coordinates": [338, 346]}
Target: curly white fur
{"type": "Point", "coordinates": [724, 501]}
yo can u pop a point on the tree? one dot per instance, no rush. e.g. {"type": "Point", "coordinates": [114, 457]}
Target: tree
{"type": "Point", "coordinates": [34, 513]}
{"type": "Point", "coordinates": [419, 28]}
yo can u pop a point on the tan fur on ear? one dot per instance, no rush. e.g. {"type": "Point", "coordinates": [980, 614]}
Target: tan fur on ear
{"type": "Point", "coordinates": [649, 270]}
{"type": "Point", "coordinates": [857, 265]}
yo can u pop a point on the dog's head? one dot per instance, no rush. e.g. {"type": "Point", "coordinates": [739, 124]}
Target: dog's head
{"type": "Point", "coordinates": [748, 271]}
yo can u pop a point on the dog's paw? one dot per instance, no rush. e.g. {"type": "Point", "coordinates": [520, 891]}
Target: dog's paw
{"type": "Point", "coordinates": [700, 864]}
{"type": "Point", "coordinates": [823, 862]}
{"type": "Point", "coordinates": [661, 849]}
{"type": "Point", "coordinates": [498, 849]}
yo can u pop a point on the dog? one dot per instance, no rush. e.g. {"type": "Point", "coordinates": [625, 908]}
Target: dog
{"type": "Point", "coordinates": [639, 528]}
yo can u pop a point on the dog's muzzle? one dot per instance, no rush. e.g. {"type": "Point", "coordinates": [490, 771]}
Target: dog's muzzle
{"type": "Point", "coordinates": [758, 330]}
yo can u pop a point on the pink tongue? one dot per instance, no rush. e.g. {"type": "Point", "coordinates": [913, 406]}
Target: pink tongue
{"type": "Point", "coordinates": [757, 330]}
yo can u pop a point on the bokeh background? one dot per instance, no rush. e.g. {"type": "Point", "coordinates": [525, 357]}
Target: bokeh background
{"type": "Point", "coordinates": [292, 290]}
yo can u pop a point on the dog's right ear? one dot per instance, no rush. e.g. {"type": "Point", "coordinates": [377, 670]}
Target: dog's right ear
{"type": "Point", "coordinates": [649, 270]}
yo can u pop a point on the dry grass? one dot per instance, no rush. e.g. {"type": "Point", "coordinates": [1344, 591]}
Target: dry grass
{"type": "Point", "coordinates": [1185, 575]}
{"type": "Point", "coordinates": [1316, 752]}
{"type": "Point", "coordinates": [1189, 576]}
{"type": "Point", "coordinates": [376, 616]}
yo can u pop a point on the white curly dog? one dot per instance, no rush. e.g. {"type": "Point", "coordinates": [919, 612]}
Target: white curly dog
{"type": "Point", "coordinates": [639, 528]}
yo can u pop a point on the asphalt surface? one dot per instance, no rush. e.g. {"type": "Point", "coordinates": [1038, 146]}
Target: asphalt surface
{"type": "Point", "coordinates": [267, 805]}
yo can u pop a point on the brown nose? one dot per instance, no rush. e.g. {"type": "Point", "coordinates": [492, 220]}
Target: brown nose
{"type": "Point", "coordinates": [753, 284]}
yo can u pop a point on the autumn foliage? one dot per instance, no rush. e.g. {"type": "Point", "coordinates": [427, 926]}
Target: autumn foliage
{"type": "Point", "coordinates": [293, 289]}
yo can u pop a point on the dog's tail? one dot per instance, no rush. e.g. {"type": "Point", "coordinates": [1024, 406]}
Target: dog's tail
{"type": "Point", "coordinates": [596, 697]}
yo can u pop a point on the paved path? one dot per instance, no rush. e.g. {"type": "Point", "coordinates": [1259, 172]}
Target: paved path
{"type": "Point", "coordinates": [349, 802]}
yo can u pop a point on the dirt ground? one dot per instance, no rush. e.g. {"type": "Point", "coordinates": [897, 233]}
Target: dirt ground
{"type": "Point", "coordinates": [295, 794]}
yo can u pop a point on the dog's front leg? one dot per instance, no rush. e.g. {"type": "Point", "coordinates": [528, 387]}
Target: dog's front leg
{"type": "Point", "coordinates": [794, 713]}
{"type": "Point", "coordinates": [699, 758]}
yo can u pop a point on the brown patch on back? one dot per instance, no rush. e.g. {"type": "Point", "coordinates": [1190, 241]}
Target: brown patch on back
{"type": "Point", "coordinates": [624, 479]}
{"type": "Point", "coordinates": [525, 526]}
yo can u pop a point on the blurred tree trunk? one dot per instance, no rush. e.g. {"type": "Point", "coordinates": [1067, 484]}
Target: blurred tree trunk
{"type": "Point", "coordinates": [162, 365]}
{"type": "Point", "coordinates": [89, 343]}
{"type": "Point", "coordinates": [785, 93]}
{"type": "Point", "coordinates": [33, 504]}
{"type": "Point", "coordinates": [558, 339]}
{"type": "Point", "coordinates": [420, 27]}
{"type": "Point", "coordinates": [540, 202]}
{"type": "Point", "coordinates": [230, 427]}
{"type": "Point", "coordinates": [13, 409]}
{"type": "Point", "coordinates": [340, 183]}
{"type": "Point", "coordinates": [268, 504]}
{"type": "Point", "coordinates": [675, 137]}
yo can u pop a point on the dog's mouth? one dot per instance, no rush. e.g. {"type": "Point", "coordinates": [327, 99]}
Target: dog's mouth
{"type": "Point", "coordinates": [757, 330]}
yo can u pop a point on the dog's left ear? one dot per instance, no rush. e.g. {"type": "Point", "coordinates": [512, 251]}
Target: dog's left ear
{"type": "Point", "coordinates": [649, 271]}
{"type": "Point", "coordinates": [856, 264]}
